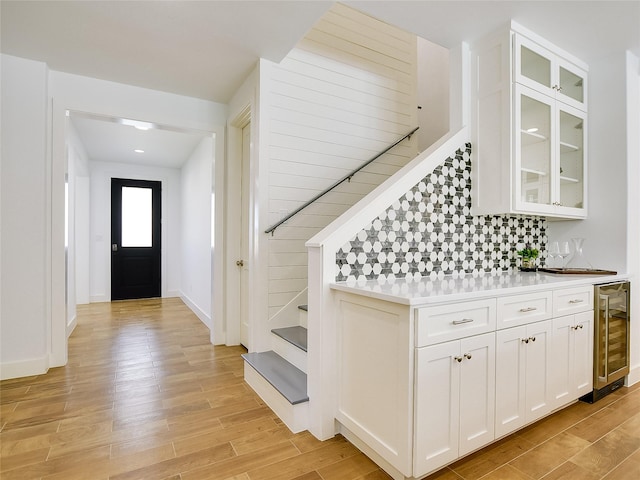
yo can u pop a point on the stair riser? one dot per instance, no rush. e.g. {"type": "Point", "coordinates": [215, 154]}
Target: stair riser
{"type": "Point", "coordinates": [295, 417]}
{"type": "Point", "coordinates": [289, 352]}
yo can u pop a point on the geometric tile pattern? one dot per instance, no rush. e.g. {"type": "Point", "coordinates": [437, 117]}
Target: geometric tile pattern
{"type": "Point", "coordinates": [430, 232]}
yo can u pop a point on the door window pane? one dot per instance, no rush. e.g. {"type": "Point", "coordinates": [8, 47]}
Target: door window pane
{"type": "Point", "coordinates": [136, 217]}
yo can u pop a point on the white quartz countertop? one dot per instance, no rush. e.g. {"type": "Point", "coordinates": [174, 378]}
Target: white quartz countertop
{"type": "Point", "coordinates": [449, 289]}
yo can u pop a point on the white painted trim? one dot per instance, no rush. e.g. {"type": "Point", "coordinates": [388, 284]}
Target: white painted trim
{"type": "Point", "coordinates": [371, 453]}
{"type": "Point", "coordinates": [204, 318]}
{"type": "Point", "coordinates": [71, 326]}
{"type": "Point", "coordinates": [289, 315]}
{"type": "Point", "coordinates": [633, 377]}
{"type": "Point", "coordinates": [102, 298]}
{"type": "Point", "coordinates": [295, 417]}
{"type": "Point", "coordinates": [26, 368]}
{"type": "Point", "coordinates": [292, 354]}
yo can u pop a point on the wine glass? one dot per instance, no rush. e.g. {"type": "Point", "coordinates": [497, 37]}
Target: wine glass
{"type": "Point", "coordinates": [554, 250]}
{"type": "Point", "coordinates": [564, 252]}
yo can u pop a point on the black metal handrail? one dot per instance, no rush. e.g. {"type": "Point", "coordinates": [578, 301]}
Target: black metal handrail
{"type": "Point", "coordinates": [342, 180]}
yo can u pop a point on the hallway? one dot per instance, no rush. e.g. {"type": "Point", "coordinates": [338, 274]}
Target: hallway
{"type": "Point", "coordinates": [146, 396]}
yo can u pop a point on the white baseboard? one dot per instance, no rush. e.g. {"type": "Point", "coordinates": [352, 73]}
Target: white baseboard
{"type": "Point", "coordinates": [72, 325]}
{"type": "Point", "coordinates": [99, 298]}
{"type": "Point", "coordinates": [204, 318]}
{"type": "Point", "coordinates": [633, 377]}
{"type": "Point", "coordinates": [172, 294]}
{"type": "Point", "coordinates": [26, 368]}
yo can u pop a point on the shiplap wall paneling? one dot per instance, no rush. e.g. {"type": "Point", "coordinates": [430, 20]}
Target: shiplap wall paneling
{"type": "Point", "coordinates": [342, 96]}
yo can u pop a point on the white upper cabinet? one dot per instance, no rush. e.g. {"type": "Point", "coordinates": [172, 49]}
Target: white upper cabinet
{"type": "Point", "coordinates": [529, 128]}
{"type": "Point", "coordinates": [542, 70]}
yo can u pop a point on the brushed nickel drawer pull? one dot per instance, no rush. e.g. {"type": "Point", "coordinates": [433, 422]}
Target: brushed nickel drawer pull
{"type": "Point", "coordinates": [464, 320]}
{"type": "Point", "coordinates": [577, 300]}
{"type": "Point", "coordinates": [528, 309]}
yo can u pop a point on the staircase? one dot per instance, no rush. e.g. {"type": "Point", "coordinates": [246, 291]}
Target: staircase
{"type": "Point", "coordinates": [279, 375]}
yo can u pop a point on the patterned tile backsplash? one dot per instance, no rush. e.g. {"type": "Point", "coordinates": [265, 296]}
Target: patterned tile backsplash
{"type": "Point", "coordinates": [430, 232]}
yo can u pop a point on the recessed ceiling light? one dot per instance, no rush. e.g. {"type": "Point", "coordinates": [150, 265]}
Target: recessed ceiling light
{"type": "Point", "coordinates": [136, 124]}
{"type": "Point", "coordinates": [137, 150]}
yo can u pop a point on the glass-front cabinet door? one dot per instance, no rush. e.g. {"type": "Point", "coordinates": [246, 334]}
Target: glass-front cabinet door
{"type": "Point", "coordinates": [540, 69]}
{"type": "Point", "coordinates": [571, 155]}
{"type": "Point", "coordinates": [550, 155]}
{"type": "Point", "coordinates": [534, 148]}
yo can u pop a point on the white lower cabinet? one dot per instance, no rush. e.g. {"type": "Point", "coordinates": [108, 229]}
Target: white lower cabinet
{"type": "Point", "coordinates": [522, 375]}
{"type": "Point", "coordinates": [454, 402]}
{"type": "Point", "coordinates": [421, 386]}
{"type": "Point", "coordinates": [571, 357]}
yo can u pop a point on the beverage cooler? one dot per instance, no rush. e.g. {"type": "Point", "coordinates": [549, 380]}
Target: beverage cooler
{"type": "Point", "coordinates": [611, 342]}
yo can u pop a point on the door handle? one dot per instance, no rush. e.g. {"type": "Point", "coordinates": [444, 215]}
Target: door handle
{"type": "Point", "coordinates": [114, 247]}
{"type": "Point", "coordinates": [240, 263]}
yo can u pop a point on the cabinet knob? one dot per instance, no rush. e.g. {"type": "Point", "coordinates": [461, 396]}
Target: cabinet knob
{"type": "Point", "coordinates": [467, 356]}
{"type": "Point", "coordinates": [458, 359]}
{"type": "Point", "coordinates": [525, 340]}
{"type": "Point", "coordinates": [533, 339]}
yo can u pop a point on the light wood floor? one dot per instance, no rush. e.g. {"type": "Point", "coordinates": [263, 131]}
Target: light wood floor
{"type": "Point", "coordinates": [145, 396]}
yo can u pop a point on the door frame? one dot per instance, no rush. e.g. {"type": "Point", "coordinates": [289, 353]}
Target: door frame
{"type": "Point", "coordinates": [234, 228]}
{"type": "Point", "coordinates": [156, 226]}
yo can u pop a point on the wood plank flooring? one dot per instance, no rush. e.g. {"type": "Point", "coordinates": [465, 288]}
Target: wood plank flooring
{"type": "Point", "coordinates": [146, 396]}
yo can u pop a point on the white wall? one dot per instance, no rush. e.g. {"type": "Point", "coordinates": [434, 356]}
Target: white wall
{"type": "Point", "coordinates": [633, 218]}
{"type": "Point", "coordinates": [24, 310]}
{"type": "Point", "coordinates": [78, 226]}
{"type": "Point", "coordinates": [433, 92]}
{"type": "Point", "coordinates": [196, 257]}
{"type": "Point", "coordinates": [100, 242]}
{"type": "Point", "coordinates": [605, 229]}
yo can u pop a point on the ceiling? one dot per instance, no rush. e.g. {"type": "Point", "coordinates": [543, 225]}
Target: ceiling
{"type": "Point", "coordinates": [205, 49]}
{"type": "Point", "coordinates": [107, 139]}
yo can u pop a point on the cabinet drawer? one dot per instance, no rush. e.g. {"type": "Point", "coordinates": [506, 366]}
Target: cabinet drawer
{"type": "Point", "coordinates": [572, 300]}
{"type": "Point", "coordinates": [522, 309]}
{"type": "Point", "coordinates": [442, 323]}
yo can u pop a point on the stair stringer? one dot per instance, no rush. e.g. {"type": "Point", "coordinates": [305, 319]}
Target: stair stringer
{"type": "Point", "coordinates": [289, 315]}
{"type": "Point", "coordinates": [322, 367]}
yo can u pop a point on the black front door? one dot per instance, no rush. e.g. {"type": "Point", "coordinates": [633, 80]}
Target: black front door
{"type": "Point", "coordinates": [135, 238]}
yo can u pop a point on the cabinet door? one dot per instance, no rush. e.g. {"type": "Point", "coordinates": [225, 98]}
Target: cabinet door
{"type": "Point", "coordinates": [510, 380]}
{"type": "Point", "coordinates": [571, 157]}
{"type": "Point", "coordinates": [562, 359]}
{"type": "Point", "coordinates": [533, 65]}
{"type": "Point", "coordinates": [544, 71]}
{"type": "Point", "coordinates": [583, 356]}
{"type": "Point", "coordinates": [571, 85]}
{"type": "Point", "coordinates": [537, 350]}
{"type": "Point", "coordinates": [437, 402]}
{"type": "Point", "coordinates": [477, 392]}
{"type": "Point", "coordinates": [534, 150]}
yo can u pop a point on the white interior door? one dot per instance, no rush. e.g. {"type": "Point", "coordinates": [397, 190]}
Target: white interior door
{"type": "Point", "coordinates": [243, 262]}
